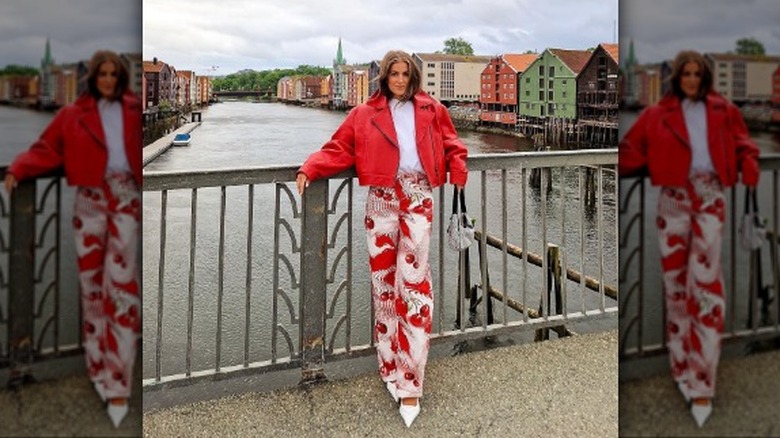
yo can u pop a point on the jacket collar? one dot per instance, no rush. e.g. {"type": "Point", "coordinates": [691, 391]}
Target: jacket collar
{"type": "Point", "coordinates": [424, 113]}
{"type": "Point", "coordinates": [673, 116]}
{"type": "Point", "coordinates": [713, 100]}
{"type": "Point", "coordinates": [421, 100]}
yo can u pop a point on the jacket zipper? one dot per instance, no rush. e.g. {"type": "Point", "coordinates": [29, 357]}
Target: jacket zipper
{"type": "Point", "coordinates": [433, 151]}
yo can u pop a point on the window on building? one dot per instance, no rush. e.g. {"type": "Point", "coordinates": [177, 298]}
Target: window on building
{"type": "Point", "coordinates": [541, 70]}
{"type": "Point", "coordinates": [541, 82]}
{"type": "Point", "coordinates": [505, 96]}
{"type": "Point", "coordinates": [505, 86]}
{"type": "Point", "coordinates": [431, 65]}
{"type": "Point", "coordinates": [550, 95]}
{"type": "Point", "coordinates": [511, 95]}
{"type": "Point", "coordinates": [563, 82]}
{"type": "Point", "coordinates": [527, 80]}
{"type": "Point", "coordinates": [511, 86]}
{"type": "Point", "coordinates": [431, 84]}
{"type": "Point", "coordinates": [551, 109]}
{"type": "Point", "coordinates": [550, 84]}
{"type": "Point", "coordinates": [541, 94]}
{"type": "Point", "coordinates": [431, 75]}
{"type": "Point", "coordinates": [552, 71]}
{"type": "Point", "coordinates": [563, 94]}
{"type": "Point", "coordinates": [528, 93]}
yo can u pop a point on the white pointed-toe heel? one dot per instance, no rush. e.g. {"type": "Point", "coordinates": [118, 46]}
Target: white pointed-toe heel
{"type": "Point", "coordinates": [683, 387]}
{"type": "Point", "coordinates": [391, 388]}
{"type": "Point", "coordinates": [701, 412]}
{"type": "Point", "coordinates": [100, 390]}
{"type": "Point", "coordinates": [409, 413]}
{"type": "Point", "coordinates": [117, 412]}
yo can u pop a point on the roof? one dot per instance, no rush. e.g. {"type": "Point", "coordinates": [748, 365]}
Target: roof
{"type": "Point", "coordinates": [519, 62]}
{"type": "Point", "coordinates": [738, 57]}
{"type": "Point", "coordinates": [442, 57]}
{"type": "Point", "coordinates": [612, 49]}
{"type": "Point", "coordinates": [574, 59]}
{"type": "Point", "coordinates": [151, 67]}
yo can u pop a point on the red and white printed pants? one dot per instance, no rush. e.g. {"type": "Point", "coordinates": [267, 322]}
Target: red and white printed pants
{"type": "Point", "coordinates": [106, 223]}
{"type": "Point", "coordinates": [398, 224]}
{"type": "Point", "coordinates": [690, 231]}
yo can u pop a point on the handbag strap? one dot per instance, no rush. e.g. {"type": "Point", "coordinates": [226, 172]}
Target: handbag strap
{"type": "Point", "coordinates": [751, 201]}
{"type": "Point", "coordinates": [458, 194]}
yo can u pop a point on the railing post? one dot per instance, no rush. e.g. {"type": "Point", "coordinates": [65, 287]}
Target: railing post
{"type": "Point", "coordinates": [314, 231]}
{"type": "Point", "coordinates": [21, 283]}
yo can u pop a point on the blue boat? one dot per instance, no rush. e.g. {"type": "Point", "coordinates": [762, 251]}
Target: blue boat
{"type": "Point", "coordinates": [181, 140]}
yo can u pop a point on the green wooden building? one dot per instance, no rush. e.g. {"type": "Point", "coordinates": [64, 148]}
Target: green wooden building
{"type": "Point", "coordinates": [549, 84]}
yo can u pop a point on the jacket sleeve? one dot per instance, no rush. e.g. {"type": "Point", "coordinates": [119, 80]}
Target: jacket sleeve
{"type": "Point", "coordinates": [632, 150]}
{"type": "Point", "coordinates": [455, 151]}
{"type": "Point", "coordinates": [337, 155]}
{"type": "Point", "coordinates": [747, 151]}
{"type": "Point", "coordinates": [45, 155]}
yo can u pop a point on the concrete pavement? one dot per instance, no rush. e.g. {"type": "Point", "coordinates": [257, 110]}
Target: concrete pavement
{"type": "Point", "coordinates": [564, 388]}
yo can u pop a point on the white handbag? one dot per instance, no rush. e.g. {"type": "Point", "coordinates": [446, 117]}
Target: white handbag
{"type": "Point", "coordinates": [752, 229]}
{"type": "Point", "coordinates": [460, 231]}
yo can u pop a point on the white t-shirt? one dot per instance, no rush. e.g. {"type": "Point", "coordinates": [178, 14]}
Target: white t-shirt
{"type": "Point", "coordinates": [111, 118]}
{"type": "Point", "coordinates": [403, 120]}
{"type": "Point", "coordinates": [695, 114]}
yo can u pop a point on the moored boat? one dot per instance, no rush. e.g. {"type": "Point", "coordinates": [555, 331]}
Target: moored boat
{"type": "Point", "coordinates": [182, 140]}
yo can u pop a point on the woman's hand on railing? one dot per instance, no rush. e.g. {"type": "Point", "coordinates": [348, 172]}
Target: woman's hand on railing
{"type": "Point", "coordinates": [302, 181]}
{"type": "Point", "coordinates": [10, 183]}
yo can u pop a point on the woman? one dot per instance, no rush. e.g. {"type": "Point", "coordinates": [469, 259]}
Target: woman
{"type": "Point", "coordinates": [98, 141]}
{"type": "Point", "coordinates": [692, 144]}
{"type": "Point", "coordinates": [402, 143]}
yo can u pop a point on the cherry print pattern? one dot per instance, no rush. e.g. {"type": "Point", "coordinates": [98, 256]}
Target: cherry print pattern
{"type": "Point", "coordinates": [398, 226]}
{"type": "Point", "coordinates": [690, 232]}
{"type": "Point", "coordinates": [106, 227]}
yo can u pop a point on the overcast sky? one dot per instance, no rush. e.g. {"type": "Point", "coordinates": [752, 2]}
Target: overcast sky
{"type": "Point", "coordinates": [77, 29]}
{"type": "Point", "coordinates": [661, 28]}
{"type": "Point", "coordinates": [259, 34]}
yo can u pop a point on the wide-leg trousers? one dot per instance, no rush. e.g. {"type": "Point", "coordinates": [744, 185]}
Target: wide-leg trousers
{"type": "Point", "coordinates": [106, 223]}
{"type": "Point", "coordinates": [690, 230]}
{"type": "Point", "coordinates": [398, 225]}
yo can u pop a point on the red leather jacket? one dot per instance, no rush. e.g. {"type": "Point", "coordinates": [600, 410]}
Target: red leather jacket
{"type": "Point", "coordinates": [659, 141]}
{"type": "Point", "coordinates": [75, 139]}
{"type": "Point", "coordinates": [367, 140]}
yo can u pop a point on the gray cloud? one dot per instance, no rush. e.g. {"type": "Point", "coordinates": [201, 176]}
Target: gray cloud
{"type": "Point", "coordinates": [77, 28]}
{"type": "Point", "coordinates": [240, 34]}
{"type": "Point", "coordinates": [661, 28]}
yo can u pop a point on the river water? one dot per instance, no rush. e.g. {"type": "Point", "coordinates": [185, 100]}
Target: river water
{"type": "Point", "coordinates": [244, 134]}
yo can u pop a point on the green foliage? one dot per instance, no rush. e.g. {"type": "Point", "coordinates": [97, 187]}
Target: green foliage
{"type": "Point", "coordinates": [246, 80]}
{"type": "Point", "coordinates": [750, 46]}
{"type": "Point", "coordinates": [18, 70]}
{"type": "Point", "coordinates": [458, 46]}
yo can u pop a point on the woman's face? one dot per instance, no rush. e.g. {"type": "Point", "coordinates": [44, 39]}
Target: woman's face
{"type": "Point", "coordinates": [398, 79]}
{"type": "Point", "coordinates": [690, 80]}
{"type": "Point", "coordinates": [107, 79]}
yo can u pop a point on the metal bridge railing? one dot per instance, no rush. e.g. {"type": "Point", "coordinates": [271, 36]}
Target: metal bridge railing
{"type": "Point", "coordinates": [39, 301]}
{"type": "Point", "coordinates": [753, 311]}
{"type": "Point", "coordinates": [243, 276]}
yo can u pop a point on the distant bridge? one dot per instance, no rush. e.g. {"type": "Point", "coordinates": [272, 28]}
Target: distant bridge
{"type": "Point", "coordinates": [246, 93]}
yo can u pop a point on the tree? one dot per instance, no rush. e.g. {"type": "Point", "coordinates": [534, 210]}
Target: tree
{"type": "Point", "coordinates": [750, 46]}
{"type": "Point", "coordinates": [18, 70]}
{"type": "Point", "coordinates": [457, 46]}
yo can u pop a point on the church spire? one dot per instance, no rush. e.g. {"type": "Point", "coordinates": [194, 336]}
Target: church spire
{"type": "Point", "coordinates": [47, 59]}
{"type": "Point", "coordinates": [339, 56]}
